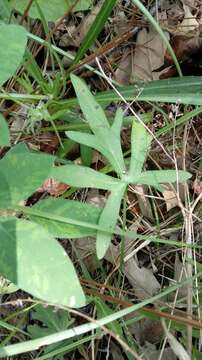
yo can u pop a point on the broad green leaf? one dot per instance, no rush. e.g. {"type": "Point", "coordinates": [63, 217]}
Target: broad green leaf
{"type": "Point", "coordinates": [81, 176]}
{"type": "Point", "coordinates": [74, 210]}
{"type": "Point", "coordinates": [99, 124]}
{"type": "Point", "coordinates": [140, 142]}
{"type": "Point", "coordinates": [33, 260]}
{"type": "Point", "coordinates": [4, 10]}
{"type": "Point", "coordinates": [4, 132]}
{"type": "Point", "coordinates": [21, 173]}
{"type": "Point", "coordinates": [108, 219]}
{"type": "Point", "coordinates": [13, 39]}
{"type": "Point", "coordinates": [51, 9]}
{"type": "Point", "coordinates": [95, 28]}
{"type": "Point", "coordinates": [156, 177]}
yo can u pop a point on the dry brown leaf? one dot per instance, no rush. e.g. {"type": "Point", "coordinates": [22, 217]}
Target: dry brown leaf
{"type": "Point", "coordinates": [197, 187]}
{"type": "Point", "coordinates": [189, 23]}
{"type": "Point", "coordinates": [180, 275]}
{"type": "Point", "coordinates": [142, 279]}
{"type": "Point", "coordinates": [53, 187]}
{"type": "Point", "coordinates": [191, 3]}
{"type": "Point", "coordinates": [147, 331]}
{"type": "Point", "coordinates": [170, 195]}
{"type": "Point", "coordinates": [123, 72]}
{"type": "Point", "coordinates": [148, 55]}
{"type": "Point", "coordinates": [80, 32]}
{"type": "Point", "coordinates": [143, 201]}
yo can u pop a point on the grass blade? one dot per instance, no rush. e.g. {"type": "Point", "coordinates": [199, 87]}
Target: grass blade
{"type": "Point", "coordinates": [95, 29]}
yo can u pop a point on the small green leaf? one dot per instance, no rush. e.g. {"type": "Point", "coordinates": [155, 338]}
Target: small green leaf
{"type": "Point", "coordinates": [33, 260]}
{"type": "Point", "coordinates": [13, 39]}
{"type": "Point", "coordinates": [74, 210]}
{"type": "Point", "coordinates": [108, 219]}
{"type": "Point", "coordinates": [51, 9]}
{"type": "Point", "coordinates": [21, 173]}
{"type": "Point", "coordinates": [4, 132]}
{"type": "Point", "coordinates": [81, 176]}
{"type": "Point", "coordinates": [140, 142]}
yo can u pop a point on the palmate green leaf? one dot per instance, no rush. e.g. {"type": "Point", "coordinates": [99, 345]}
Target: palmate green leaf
{"type": "Point", "coordinates": [108, 219]}
{"type": "Point", "coordinates": [21, 173]}
{"type": "Point", "coordinates": [140, 143]}
{"type": "Point", "coordinates": [13, 39]}
{"type": "Point", "coordinates": [156, 177]}
{"type": "Point", "coordinates": [33, 260]}
{"type": "Point", "coordinates": [4, 132]}
{"type": "Point", "coordinates": [74, 210]}
{"type": "Point", "coordinates": [98, 123]}
{"type": "Point", "coordinates": [81, 176]}
{"type": "Point", "coordinates": [51, 9]}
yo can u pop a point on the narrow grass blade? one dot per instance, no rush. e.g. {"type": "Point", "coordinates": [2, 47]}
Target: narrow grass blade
{"type": "Point", "coordinates": [186, 90]}
{"type": "Point", "coordinates": [95, 29]}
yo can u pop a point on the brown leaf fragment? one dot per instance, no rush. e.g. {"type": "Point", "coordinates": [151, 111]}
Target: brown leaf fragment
{"type": "Point", "coordinates": [189, 22]}
{"type": "Point", "coordinates": [123, 72]}
{"type": "Point", "coordinates": [81, 31]}
{"type": "Point", "coordinates": [197, 187]}
{"type": "Point", "coordinates": [148, 55]}
{"type": "Point", "coordinates": [53, 187]}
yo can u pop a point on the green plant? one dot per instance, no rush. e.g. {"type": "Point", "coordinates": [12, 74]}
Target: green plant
{"type": "Point", "coordinates": [30, 257]}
